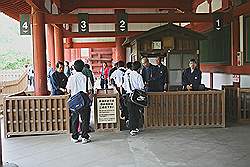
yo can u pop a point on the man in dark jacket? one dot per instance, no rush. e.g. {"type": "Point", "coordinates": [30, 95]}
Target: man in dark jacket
{"type": "Point", "coordinates": [163, 74]}
{"type": "Point", "coordinates": [59, 80]}
{"type": "Point", "coordinates": [151, 76]}
{"type": "Point", "coordinates": [191, 77]}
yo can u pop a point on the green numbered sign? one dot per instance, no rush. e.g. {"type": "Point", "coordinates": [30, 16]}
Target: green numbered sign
{"type": "Point", "coordinates": [122, 23]}
{"type": "Point", "coordinates": [25, 24]}
{"type": "Point", "coordinates": [83, 23]}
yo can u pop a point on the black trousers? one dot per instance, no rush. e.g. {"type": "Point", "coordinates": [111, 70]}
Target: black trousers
{"type": "Point", "coordinates": [134, 114]}
{"type": "Point", "coordinates": [104, 83]}
{"type": "Point", "coordinates": [85, 117]}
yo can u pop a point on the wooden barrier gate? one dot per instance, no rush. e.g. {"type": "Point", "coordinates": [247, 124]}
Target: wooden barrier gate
{"type": "Point", "coordinates": [26, 115]}
{"type": "Point", "coordinates": [185, 109]}
{"type": "Point", "coordinates": [243, 104]}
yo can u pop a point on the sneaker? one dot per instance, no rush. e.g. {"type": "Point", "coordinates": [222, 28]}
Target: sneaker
{"type": "Point", "coordinates": [84, 140]}
{"type": "Point", "coordinates": [74, 140]}
{"type": "Point", "coordinates": [133, 132]}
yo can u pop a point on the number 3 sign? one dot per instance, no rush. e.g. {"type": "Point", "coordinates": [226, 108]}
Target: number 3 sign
{"type": "Point", "coordinates": [122, 23]}
{"type": "Point", "coordinates": [83, 24]}
{"type": "Point", "coordinates": [25, 24]}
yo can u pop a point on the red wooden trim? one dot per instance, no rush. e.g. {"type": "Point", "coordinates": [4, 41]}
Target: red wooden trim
{"type": "Point", "coordinates": [92, 45]}
{"type": "Point", "coordinates": [185, 5]}
{"type": "Point", "coordinates": [221, 68]}
{"type": "Point", "coordinates": [242, 9]}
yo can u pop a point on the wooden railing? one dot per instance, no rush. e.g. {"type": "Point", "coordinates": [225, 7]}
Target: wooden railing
{"type": "Point", "coordinates": [15, 86]}
{"type": "Point", "coordinates": [243, 105]}
{"type": "Point", "coordinates": [185, 109]}
{"type": "Point", "coordinates": [26, 115]}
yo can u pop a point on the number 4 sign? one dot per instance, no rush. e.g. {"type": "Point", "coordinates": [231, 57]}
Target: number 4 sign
{"type": "Point", "coordinates": [25, 24]}
{"type": "Point", "coordinates": [122, 23]}
{"type": "Point", "coordinates": [83, 24]}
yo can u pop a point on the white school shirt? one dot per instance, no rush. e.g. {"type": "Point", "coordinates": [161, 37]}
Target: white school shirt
{"type": "Point", "coordinates": [135, 80]}
{"type": "Point", "coordinates": [77, 83]}
{"type": "Point", "coordinates": [117, 75]}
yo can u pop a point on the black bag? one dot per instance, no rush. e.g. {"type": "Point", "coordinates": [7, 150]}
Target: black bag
{"type": "Point", "coordinates": [79, 101]}
{"type": "Point", "coordinates": [139, 97]}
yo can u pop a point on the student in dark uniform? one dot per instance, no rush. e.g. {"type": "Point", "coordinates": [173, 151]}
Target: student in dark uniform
{"type": "Point", "coordinates": [59, 80]}
{"type": "Point", "coordinates": [163, 74]}
{"type": "Point", "coordinates": [191, 77]}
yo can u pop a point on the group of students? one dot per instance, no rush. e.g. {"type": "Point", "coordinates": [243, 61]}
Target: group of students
{"type": "Point", "coordinates": [137, 75]}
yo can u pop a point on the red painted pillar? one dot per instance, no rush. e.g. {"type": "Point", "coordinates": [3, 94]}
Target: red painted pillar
{"type": "Point", "coordinates": [73, 54]}
{"type": "Point", "coordinates": [78, 53]}
{"type": "Point", "coordinates": [59, 48]}
{"type": "Point", "coordinates": [67, 55]}
{"type": "Point", "coordinates": [39, 53]}
{"type": "Point", "coordinates": [120, 50]}
{"type": "Point", "coordinates": [235, 31]}
{"type": "Point", "coordinates": [51, 45]}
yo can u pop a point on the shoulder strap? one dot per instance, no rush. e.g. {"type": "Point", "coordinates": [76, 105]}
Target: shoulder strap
{"type": "Point", "coordinates": [129, 82]}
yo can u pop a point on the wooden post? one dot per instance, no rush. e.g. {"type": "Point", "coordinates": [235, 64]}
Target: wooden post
{"type": "Point", "coordinates": [59, 49]}
{"type": "Point", "coordinates": [120, 50]}
{"type": "Point", "coordinates": [51, 44]}
{"type": "Point", "coordinates": [39, 53]}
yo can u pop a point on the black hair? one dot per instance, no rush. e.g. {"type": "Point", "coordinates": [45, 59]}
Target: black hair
{"type": "Point", "coordinates": [67, 62]}
{"type": "Point", "coordinates": [129, 65]}
{"type": "Point", "coordinates": [121, 63]}
{"type": "Point", "coordinates": [87, 66]}
{"type": "Point", "coordinates": [59, 63]}
{"type": "Point", "coordinates": [192, 60]}
{"type": "Point", "coordinates": [78, 65]}
{"type": "Point", "coordinates": [136, 65]}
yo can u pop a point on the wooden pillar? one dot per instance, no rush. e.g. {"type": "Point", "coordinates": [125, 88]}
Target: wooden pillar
{"type": "Point", "coordinates": [235, 38]}
{"type": "Point", "coordinates": [59, 48]}
{"type": "Point", "coordinates": [78, 53]}
{"type": "Point", "coordinates": [67, 55]}
{"type": "Point", "coordinates": [211, 80]}
{"type": "Point", "coordinates": [39, 53]}
{"type": "Point", "coordinates": [51, 45]}
{"type": "Point", "coordinates": [73, 54]}
{"type": "Point", "coordinates": [120, 50]}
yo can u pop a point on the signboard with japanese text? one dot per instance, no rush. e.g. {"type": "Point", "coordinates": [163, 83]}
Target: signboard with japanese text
{"type": "Point", "coordinates": [106, 110]}
{"type": "Point", "coordinates": [83, 23]}
{"type": "Point", "coordinates": [25, 24]}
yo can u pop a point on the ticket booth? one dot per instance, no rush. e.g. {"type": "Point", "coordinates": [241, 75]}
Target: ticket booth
{"type": "Point", "coordinates": [175, 44]}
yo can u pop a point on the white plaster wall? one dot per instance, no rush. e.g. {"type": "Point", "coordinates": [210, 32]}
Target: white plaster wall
{"type": "Point", "coordinates": [222, 79]}
{"type": "Point", "coordinates": [216, 4]}
{"type": "Point", "coordinates": [203, 8]}
{"type": "Point", "coordinates": [101, 39]}
{"type": "Point", "coordinates": [245, 81]}
{"type": "Point", "coordinates": [205, 79]}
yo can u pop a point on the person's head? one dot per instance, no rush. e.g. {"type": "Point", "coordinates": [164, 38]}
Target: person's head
{"type": "Point", "coordinates": [192, 63]}
{"type": "Point", "coordinates": [87, 66]}
{"type": "Point", "coordinates": [49, 63]}
{"type": "Point", "coordinates": [158, 60]}
{"type": "Point", "coordinates": [121, 64]}
{"type": "Point", "coordinates": [59, 66]}
{"type": "Point", "coordinates": [129, 65]}
{"type": "Point", "coordinates": [104, 64]}
{"type": "Point", "coordinates": [136, 65]}
{"type": "Point", "coordinates": [145, 62]}
{"type": "Point", "coordinates": [78, 65]}
{"type": "Point", "coordinates": [66, 63]}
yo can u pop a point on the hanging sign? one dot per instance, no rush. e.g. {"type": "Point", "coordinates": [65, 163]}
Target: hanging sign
{"type": "Point", "coordinates": [25, 24]}
{"type": "Point", "coordinates": [106, 110]}
{"type": "Point", "coordinates": [218, 21]}
{"type": "Point", "coordinates": [121, 23]}
{"type": "Point", "coordinates": [83, 23]}
{"type": "Point", "coordinates": [236, 78]}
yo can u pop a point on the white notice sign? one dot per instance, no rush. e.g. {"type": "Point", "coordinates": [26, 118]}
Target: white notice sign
{"type": "Point", "coordinates": [106, 110]}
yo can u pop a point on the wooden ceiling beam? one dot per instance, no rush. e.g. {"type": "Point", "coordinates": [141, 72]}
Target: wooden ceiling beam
{"type": "Point", "coordinates": [37, 4]}
{"type": "Point", "coordinates": [243, 9]}
{"type": "Point", "coordinates": [67, 34]}
{"type": "Point", "coordinates": [132, 18]}
{"type": "Point", "coordinates": [69, 5]}
{"type": "Point", "coordinates": [91, 45]}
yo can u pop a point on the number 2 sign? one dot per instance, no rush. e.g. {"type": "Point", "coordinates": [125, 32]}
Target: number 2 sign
{"type": "Point", "coordinates": [83, 24]}
{"type": "Point", "coordinates": [25, 24]}
{"type": "Point", "coordinates": [122, 23]}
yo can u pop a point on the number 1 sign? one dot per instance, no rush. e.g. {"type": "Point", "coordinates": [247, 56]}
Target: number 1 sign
{"type": "Point", "coordinates": [122, 23]}
{"type": "Point", "coordinates": [83, 24]}
{"type": "Point", "coordinates": [25, 24]}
